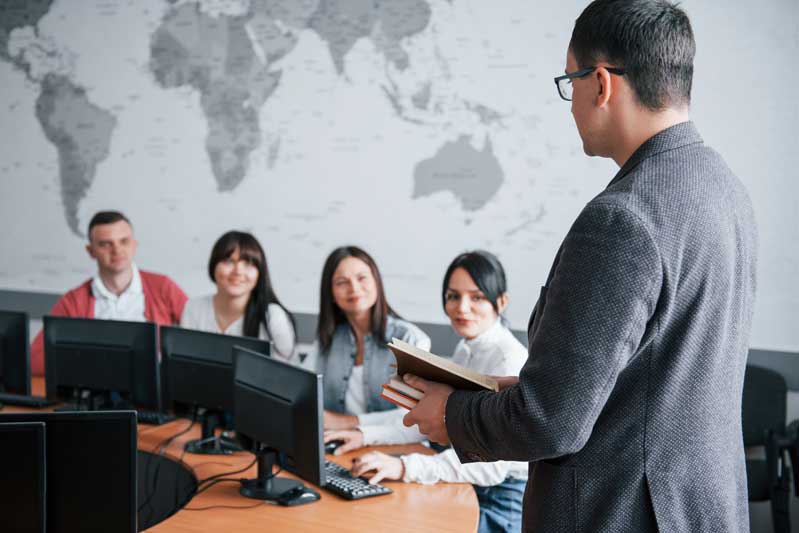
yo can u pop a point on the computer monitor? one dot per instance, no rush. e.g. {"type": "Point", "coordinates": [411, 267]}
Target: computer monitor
{"type": "Point", "coordinates": [15, 366]}
{"type": "Point", "coordinates": [102, 364]}
{"type": "Point", "coordinates": [278, 410]}
{"type": "Point", "coordinates": [22, 463]}
{"type": "Point", "coordinates": [198, 376]}
{"type": "Point", "coordinates": [91, 469]}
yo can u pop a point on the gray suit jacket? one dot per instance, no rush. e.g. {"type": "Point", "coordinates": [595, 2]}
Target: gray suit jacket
{"type": "Point", "coordinates": [629, 406]}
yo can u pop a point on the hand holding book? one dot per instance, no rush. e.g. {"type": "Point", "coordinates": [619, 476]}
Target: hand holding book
{"type": "Point", "coordinates": [427, 381]}
{"type": "Point", "coordinates": [429, 412]}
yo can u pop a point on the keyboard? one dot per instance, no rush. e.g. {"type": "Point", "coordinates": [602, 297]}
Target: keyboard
{"type": "Point", "coordinates": [339, 481]}
{"type": "Point", "coordinates": [25, 401]}
{"type": "Point", "coordinates": [153, 417]}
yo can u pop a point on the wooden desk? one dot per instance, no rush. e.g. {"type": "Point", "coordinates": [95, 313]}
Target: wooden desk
{"type": "Point", "coordinates": [412, 507]}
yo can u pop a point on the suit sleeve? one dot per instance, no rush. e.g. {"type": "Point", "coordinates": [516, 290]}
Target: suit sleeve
{"type": "Point", "coordinates": [61, 308]}
{"type": "Point", "coordinates": [600, 297]}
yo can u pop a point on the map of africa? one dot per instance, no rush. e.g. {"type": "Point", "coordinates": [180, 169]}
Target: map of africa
{"type": "Point", "coordinates": [397, 124]}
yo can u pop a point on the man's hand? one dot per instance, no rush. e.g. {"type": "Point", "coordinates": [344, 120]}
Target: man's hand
{"type": "Point", "coordinates": [429, 412]}
{"type": "Point", "coordinates": [378, 466]}
{"type": "Point", "coordinates": [506, 381]}
{"type": "Point", "coordinates": [339, 421]}
{"type": "Point", "coordinates": [353, 439]}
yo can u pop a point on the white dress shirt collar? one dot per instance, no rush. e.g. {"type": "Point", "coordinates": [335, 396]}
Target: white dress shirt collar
{"type": "Point", "coordinates": [128, 305]}
{"type": "Point", "coordinates": [99, 289]}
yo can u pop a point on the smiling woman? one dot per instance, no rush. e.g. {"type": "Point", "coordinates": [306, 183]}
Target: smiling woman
{"type": "Point", "coordinates": [245, 303]}
{"type": "Point", "coordinates": [355, 324]}
{"type": "Point", "coordinates": [474, 294]}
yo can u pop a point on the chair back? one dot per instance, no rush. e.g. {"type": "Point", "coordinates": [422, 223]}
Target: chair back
{"type": "Point", "coordinates": [764, 404]}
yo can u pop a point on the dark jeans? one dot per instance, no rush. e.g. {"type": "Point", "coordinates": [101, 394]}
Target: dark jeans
{"type": "Point", "coordinates": [501, 506]}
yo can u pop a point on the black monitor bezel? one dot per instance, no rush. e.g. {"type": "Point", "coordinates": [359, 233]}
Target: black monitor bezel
{"type": "Point", "coordinates": [17, 359]}
{"type": "Point", "coordinates": [39, 465]}
{"type": "Point", "coordinates": [120, 416]}
{"type": "Point", "coordinates": [311, 469]}
{"type": "Point", "coordinates": [168, 335]}
{"type": "Point", "coordinates": [152, 398]}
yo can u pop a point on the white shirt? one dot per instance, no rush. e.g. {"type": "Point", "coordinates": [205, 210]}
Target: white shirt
{"type": "Point", "coordinates": [129, 305]}
{"type": "Point", "coordinates": [199, 314]}
{"type": "Point", "coordinates": [496, 352]}
{"type": "Point", "coordinates": [354, 398]}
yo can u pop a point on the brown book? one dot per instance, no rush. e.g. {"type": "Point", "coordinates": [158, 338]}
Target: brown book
{"type": "Point", "coordinates": [398, 398]}
{"type": "Point", "coordinates": [424, 364]}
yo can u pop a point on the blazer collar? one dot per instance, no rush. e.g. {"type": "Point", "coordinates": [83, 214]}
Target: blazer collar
{"type": "Point", "coordinates": [671, 138]}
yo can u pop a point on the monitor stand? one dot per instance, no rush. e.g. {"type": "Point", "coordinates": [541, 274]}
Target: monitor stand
{"type": "Point", "coordinates": [90, 400]}
{"type": "Point", "coordinates": [267, 486]}
{"type": "Point", "coordinates": [209, 443]}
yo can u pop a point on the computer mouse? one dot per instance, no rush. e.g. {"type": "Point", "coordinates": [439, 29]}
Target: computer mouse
{"type": "Point", "coordinates": [298, 496]}
{"type": "Point", "coordinates": [331, 446]}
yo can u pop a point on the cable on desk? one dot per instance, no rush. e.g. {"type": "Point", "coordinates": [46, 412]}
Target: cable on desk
{"type": "Point", "coordinates": [217, 476]}
{"type": "Point", "coordinates": [222, 480]}
{"type": "Point", "coordinates": [161, 447]}
{"type": "Point", "coordinates": [190, 491]}
{"type": "Point", "coordinates": [225, 507]}
{"type": "Point", "coordinates": [217, 481]}
{"type": "Point", "coordinates": [213, 480]}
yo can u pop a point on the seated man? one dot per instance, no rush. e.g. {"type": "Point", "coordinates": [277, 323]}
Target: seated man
{"type": "Point", "coordinates": [119, 291]}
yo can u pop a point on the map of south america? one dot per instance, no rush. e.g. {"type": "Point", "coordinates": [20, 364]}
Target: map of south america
{"type": "Point", "coordinates": [79, 130]}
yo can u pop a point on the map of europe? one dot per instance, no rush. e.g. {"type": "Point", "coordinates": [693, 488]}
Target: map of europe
{"type": "Point", "coordinates": [230, 60]}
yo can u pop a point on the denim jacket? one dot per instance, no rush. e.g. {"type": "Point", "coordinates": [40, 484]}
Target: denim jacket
{"type": "Point", "coordinates": [337, 362]}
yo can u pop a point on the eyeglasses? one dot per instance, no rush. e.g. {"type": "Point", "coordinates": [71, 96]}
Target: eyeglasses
{"type": "Point", "coordinates": [564, 83]}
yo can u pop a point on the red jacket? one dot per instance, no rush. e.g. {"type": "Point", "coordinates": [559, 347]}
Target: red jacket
{"type": "Point", "coordinates": [163, 304]}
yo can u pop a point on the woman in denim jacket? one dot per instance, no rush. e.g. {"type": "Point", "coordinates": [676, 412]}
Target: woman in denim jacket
{"type": "Point", "coordinates": [474, 294]}
{"type": "Point", "coordinates": [355, 325]}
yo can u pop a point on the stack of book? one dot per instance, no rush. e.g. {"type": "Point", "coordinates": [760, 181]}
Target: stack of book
{"type": "Point", "coordinates": [424, 364]}
{"type": "Point", "coordinates": [400, 393]}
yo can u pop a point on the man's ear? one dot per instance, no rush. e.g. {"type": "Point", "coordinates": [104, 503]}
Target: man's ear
{"type": "Point", "coordinates": [502, 302]}
{"type": "Point", "coordinates": [604, 87]}
{"type": "Point", "coordinates": [90, 251]}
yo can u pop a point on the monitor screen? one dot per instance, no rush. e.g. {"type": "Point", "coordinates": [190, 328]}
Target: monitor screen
{"type": "Point", "coordinates": [102, 356]}
{"type": "Point", "coordinates": [280, 406]}
{"type": "Point", "coordinates": [15, 369]}
{"type": "Point", "coordinates": [22, 463]}
{"type": "Point", "coordinates": [91, 469]}
{"type": "Point", "coordinates": [198, 366]}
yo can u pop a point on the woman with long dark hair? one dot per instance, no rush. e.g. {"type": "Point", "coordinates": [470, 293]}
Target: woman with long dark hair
{"type": "Point", "coordinates": [355, 325]}
{"type": "Point", "coordinates": [245, 303]}
{"type": "Point", "coordinates": [473, 295]}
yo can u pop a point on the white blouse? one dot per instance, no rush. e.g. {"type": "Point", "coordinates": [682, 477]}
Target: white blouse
{"type": "Point", "coordinates": [496, 352]}
{"type": "Point", "coordinates": [355, 398]}
{"type": "Point", "coordinates": [199, 314]}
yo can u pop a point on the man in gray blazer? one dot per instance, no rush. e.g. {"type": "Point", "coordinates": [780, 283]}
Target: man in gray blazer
{"type": "Point", "coordinates": [629, 406]}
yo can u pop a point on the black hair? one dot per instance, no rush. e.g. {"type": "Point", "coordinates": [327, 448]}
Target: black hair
{"type": "Point", "coordinates": [651, 40]}
{"type": "Point", "coordinates": [486, 272]}
{"type": "Point", "coordinates": [106, 217]}
{"type": "Point", "coordinates": [262, 295]}
{"type": "Point", "coordinates": [331, 315]}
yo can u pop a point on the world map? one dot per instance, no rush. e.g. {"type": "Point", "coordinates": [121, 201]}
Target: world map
{"type": "Point", "coordinates": [229, 60]}
{"type": "Point", "coordinates": [416, 129]}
